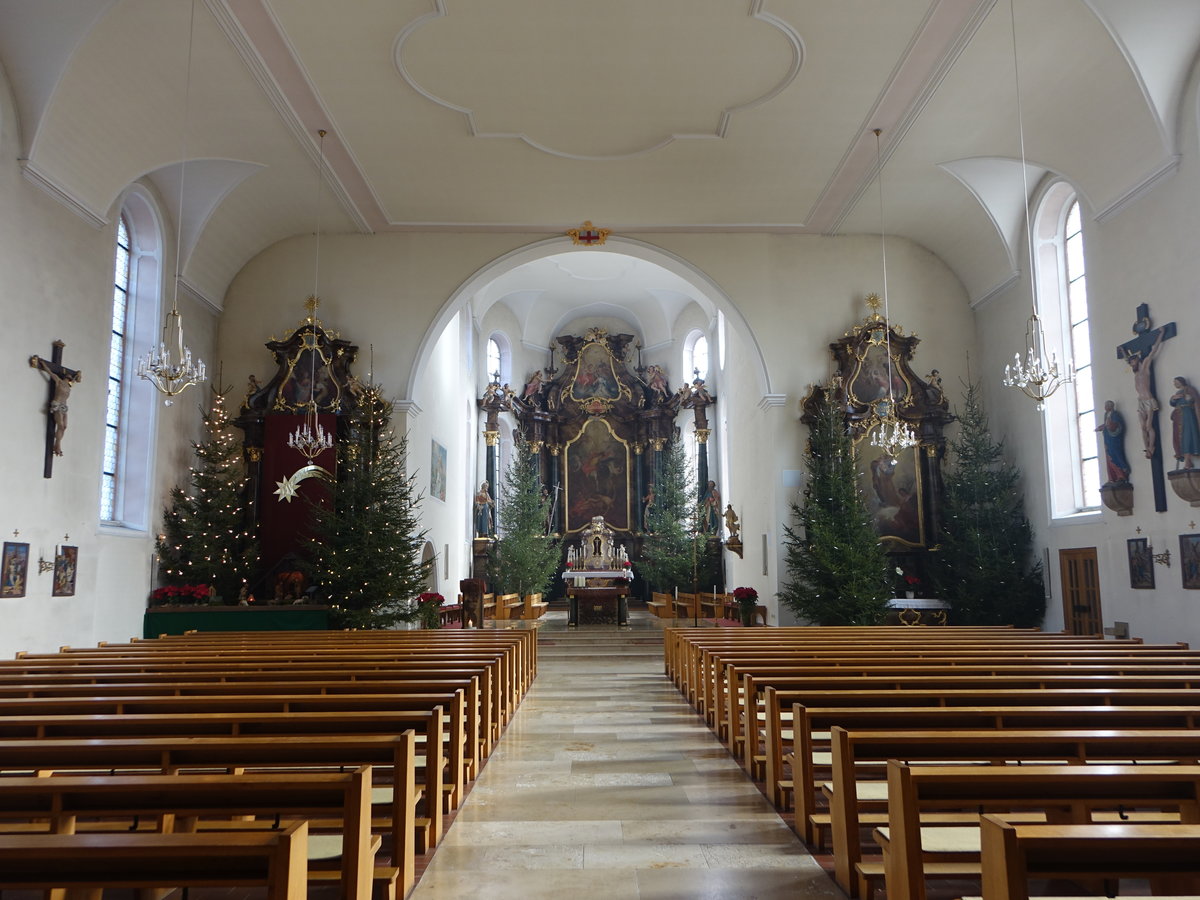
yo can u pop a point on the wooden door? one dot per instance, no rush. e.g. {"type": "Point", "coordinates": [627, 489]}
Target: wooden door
{"type": "Point", "coordinates": [1081, 590]}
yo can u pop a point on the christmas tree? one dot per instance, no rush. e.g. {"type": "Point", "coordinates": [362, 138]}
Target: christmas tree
{"type": "Point", "coordinates": [984, 568]}
{"type": "Point", "coordinates": [674, 551]}
{"type": "Point", "coordinates": [366, 547]}
{"type": "Point", "coordinates": [523, 559]}
{"type": "Point", "coordinates": [205, 539]}
{"type": "Point", "coordinates": [838, 571]}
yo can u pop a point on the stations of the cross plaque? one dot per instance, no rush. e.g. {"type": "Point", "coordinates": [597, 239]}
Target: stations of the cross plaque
{"type": "Point", "coordinates": [62, 380]}
{"type": "Point", "coordinates": [1141, 353]}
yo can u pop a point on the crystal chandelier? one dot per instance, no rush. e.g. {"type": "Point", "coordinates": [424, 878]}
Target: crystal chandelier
{"type": "Point", "coordinates": [890, 434]}
{"type": "Point", "coordinates": [1038, 375]}
{"type": "Point", "coordinates": [310, 437]}
{"type": "Point", "coordinates": [169, 366]}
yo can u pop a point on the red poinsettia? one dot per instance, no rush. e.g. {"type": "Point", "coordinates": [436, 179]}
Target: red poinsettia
{"type": "Point", "coordinates": [745, 594]}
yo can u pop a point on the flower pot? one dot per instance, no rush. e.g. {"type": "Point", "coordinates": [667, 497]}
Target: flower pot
{"type": "Point", "coordinates": [746, 613]}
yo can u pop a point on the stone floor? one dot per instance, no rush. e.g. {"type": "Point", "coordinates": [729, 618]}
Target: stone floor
{"type": "Point", "coordinates": [607, 785]}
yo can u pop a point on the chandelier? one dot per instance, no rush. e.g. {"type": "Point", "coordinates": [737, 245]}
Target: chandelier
{"type": "Point", "coordinates": [890, 434]}
{"type": "Point", "coordinates": [1038, 374]}
{"type": "Point", "coordinates": [169, 366]}
{"type": "Point", "coordinates": [310, 437]}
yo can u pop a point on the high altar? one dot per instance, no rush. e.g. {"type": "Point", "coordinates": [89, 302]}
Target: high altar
{"type": "Point", "coordinates": [597, 574]}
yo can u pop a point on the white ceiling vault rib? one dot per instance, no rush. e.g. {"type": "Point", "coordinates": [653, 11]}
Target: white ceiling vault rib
{"type": "Point", "coordinates": [255, 32]}
{"type": "Point", "coordinates": [929, 57]}
{"type": "Point", "coordinates": [563, 30]}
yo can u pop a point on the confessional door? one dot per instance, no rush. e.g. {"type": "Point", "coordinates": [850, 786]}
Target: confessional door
{"type": "Point", "coordinates": [1081, 590]}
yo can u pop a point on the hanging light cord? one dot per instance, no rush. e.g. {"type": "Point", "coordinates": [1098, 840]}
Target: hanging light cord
{"type": "Point", "coordinates": [320, 188]}
{"type": "Point", "coordinates": [887, 320]}
{"type": "Point", "coordinates": [1012, 19]}
{"type": "Point", "coordinates": [183, 160]}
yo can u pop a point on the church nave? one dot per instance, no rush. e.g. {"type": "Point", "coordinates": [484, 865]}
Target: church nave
{"type": "Point", "coordinates": [606, 784]}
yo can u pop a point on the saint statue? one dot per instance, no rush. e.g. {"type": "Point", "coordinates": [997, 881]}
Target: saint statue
{"type": "Point", "coordinates": [1185, 426]}
{"type": "Point", "coordinates": [483, 511]}
{"type": "Point", "coordinates": [1113, 432]}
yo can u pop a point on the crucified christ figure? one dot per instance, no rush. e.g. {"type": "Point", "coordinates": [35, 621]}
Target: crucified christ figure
{"type": "Point", "coordinates": [62, 393]}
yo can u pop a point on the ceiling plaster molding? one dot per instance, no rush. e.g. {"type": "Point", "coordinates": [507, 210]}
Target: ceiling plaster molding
{"type": "Point", "coordinates": [63, 195]}
{"type": "Point", "coordinates": [410, 408]}
{"type": "Point", "coordinates": [726, 115]}
{"type": "Point", "coordinates": [772, 401]}
{"type": "Point", "coordinates": [983, 300]}
{"type": "Point", "coordinates": [926, 62]}
{"type": "Point", "coordinates": [256, 34]}
{"type": "Point", "coordinates": [189, 289]}
{"type": "Point", "coordinates": [623, 228]}
{"type": "Point", "coordinates": [1165, 170]}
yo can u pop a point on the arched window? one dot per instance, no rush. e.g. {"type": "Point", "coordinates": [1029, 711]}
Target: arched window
{"type": "Point", "coordinates": [499, 359]}
{"type": "Point", "coordinates": [1070, 420]}
{"type": "Point", "coordinates": [695, 356]}
{"type": "Point", "coordinates": [131, 410]}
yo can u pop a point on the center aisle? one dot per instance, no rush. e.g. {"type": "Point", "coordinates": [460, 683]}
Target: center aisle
{"type": "Point", "coordinates": [608, 785]}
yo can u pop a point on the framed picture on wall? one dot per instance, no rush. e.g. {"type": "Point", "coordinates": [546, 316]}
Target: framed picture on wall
{"type": "Point", "coordinates": [1189, 561]}
{"type": "Point", "coordinates": [66, 562]}
{"type": "Point", "coordinates": [14, 569]}
{"type": "Point", "coordinates": [437, 472]}
{"type": "Point", "coordinates": [1141, 564]}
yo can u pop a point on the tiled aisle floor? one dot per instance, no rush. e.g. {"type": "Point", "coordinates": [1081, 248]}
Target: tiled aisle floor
{"type": "Point", "coordinates": [607, 785]}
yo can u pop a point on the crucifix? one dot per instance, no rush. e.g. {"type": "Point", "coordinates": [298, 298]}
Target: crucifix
{"type": "Point", "coordinates": [1140, 353]}
{"type": "Point", "coordinates": [62, 380]}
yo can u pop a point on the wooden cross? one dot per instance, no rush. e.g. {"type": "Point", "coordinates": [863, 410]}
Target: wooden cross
{"type": "Point", "coordinates": [62, 380]}
{"type": "Point", "coordinates": [1140, 353]}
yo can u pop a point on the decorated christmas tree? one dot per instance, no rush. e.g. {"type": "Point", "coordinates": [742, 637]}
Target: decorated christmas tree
{"type": "Point", "coordinates": [837, 571]}
{"type": "Point", "coordinates": [523, 559]}
{"type": "Point", "coordinates": [205, 539]}
{"type": "Point", "coordinates": [985, 567]}
{"type": "Point", "coordinates": [366, 547]}
{"type": "Point", "coordinates": [675, 553]}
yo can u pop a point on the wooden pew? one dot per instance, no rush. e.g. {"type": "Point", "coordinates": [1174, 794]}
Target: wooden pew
{"type": "Point", "coordinates": [686, 606]}
{"type": "Point", "coordinates": [1013, 854]}
{"type": "Point", "coordinates": [182, 799]}
{"type": "Point", "coordinates": [778, 720]}
{"type": "Point", "coordinates": [481, 711]}
{"type": "Point", "coordinates": [661, 605]}
{"type": "Point", "coordinates": [172, 755]}
{"type": "Point", "coordinates": [982, 745]}
{"type": "Point", "coordinates": [535, 607]}
{"type": "Point", "coordinates": [276, 860]}
{"type": "Point", "coordinates": [1063, 793]}
{"type": "Point", "coordinates": [509, 606]}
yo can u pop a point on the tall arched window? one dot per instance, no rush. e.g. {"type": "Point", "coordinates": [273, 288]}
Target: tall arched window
{"type": "Point", "coordinates": [499, 359]}
{"type": "Point", "coordinates": [125, 478]}
{"type": "Point", "coordinates": [116, 374]}
{"type": "Point", "coordinates": [695, 356]}
{"type": "Point", "coordinates": [1070, 420]}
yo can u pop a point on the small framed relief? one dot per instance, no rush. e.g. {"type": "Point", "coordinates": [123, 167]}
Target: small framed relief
{"type": "Point", "coordinates": [14, 569]}
{"type": "Point", "coordinates": [66, 562]}
{"type": "Point", "coordinates": [1141, 564]}
{"type": "Point", "coordinates": [437, 472]}
{"type": "Point", "coordinates": [1189, 561]}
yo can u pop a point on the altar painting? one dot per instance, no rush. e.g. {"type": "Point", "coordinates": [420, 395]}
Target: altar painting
{"type": "Point", "coordinates": [892, 488]}
{"type": "Point", "coordinates": [595, 377]}
{"type": "Point", "coordinates": [870, 381]}
{"type": "Point", "coordinates": [597, 482]}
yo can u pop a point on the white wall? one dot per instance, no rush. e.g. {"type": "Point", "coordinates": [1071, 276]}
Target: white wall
{"type": "Point", "coordinates": [1144, 254]}
{"type": "Point", "coordinates": [58, 271]}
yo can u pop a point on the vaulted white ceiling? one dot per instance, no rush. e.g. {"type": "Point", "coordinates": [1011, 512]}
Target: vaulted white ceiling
{"type": "Point", "coordinates": [534, 115]}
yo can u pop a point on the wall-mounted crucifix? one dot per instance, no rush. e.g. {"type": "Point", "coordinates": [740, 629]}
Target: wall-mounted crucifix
{"type": "Point", "coordinates": [1140, 353]}
{"type": "Point", "coordinates": [62, 380]}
